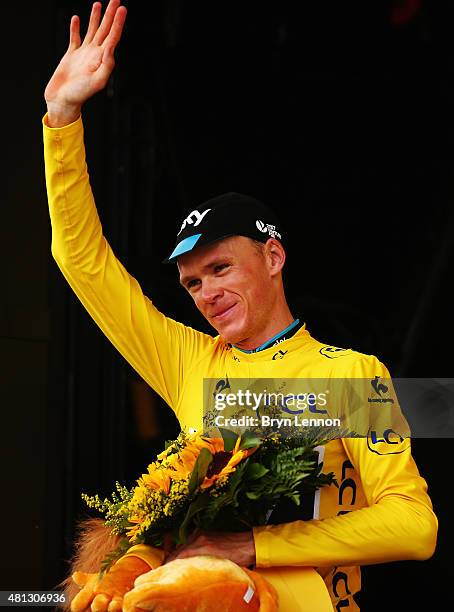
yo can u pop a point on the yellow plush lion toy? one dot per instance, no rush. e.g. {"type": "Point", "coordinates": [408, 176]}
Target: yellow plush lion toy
{"type": "Point", "coordinates": [139, 581]}
{"type": "Point", "coordinates": [202, 584]}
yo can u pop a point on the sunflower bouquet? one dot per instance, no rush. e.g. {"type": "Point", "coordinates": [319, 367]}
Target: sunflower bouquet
{"type": "Point", "coordinates": [229, 483]}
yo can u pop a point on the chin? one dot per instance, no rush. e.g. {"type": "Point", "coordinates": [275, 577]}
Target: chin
{"type": "Point", "coordinates": [233, 336]}
{"type": "Point", "coordinates": [233, 331]}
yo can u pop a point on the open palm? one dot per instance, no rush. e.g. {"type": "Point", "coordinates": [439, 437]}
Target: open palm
{"type": "Point", "coordinates": [86, 66]}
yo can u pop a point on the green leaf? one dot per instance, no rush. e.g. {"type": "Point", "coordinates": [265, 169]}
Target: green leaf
{"type": "Point", "coordinates": [229, 437]}
{"type": "Point", "coordinates": [255, 471]}
{"type": "Point", "coordinates": [253, 495]}
{"type": "Point", "coordinates": [200, 469]}
{"type": "Point", "coordinates": [249, 440]}
{"type": "Point", "coordinates": [199, 504]}
{"type": "Point", "coordinates": [121, 549]}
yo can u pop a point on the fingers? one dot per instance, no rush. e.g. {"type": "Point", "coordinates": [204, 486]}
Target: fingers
{"type": "Point", "coordinates": [106, 22]}
{"type": "Point", "coordinates": [109, 44]}
{"type": "Point", "coordinates": [93, 24]}
{"type": "Point", "coordinates": [110, 41]}
{"type": "Point", "coordinates": [105, 69]}
{"type": "Point", "coordinates": [106, 35]}
{"type": "Point", "coordinates": [116, 605]}
{"type": "Point", "coordinates": [83, 599]}
{"type": "Point", "coordinates": [100, 603]}
{"type": "Point", "coordinates": [74, 33]}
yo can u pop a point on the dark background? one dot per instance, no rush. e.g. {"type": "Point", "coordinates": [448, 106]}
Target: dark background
{"type": "Point", "coordinates": [339, 115]}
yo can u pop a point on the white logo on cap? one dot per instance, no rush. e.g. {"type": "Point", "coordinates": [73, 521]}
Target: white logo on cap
{"type": "Point", "coordinates": [261, 226]}
{"type": "Point", "coordinates": [189, 219]}
{"type": "Point", "coordinates": [266, 227]}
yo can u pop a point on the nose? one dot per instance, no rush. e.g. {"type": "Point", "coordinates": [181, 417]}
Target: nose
{"type": "Point", "coordinates": [210, 290]}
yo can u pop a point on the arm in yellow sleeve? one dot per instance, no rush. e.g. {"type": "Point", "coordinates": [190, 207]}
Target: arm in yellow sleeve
{"type": "Point", "coordinates": [399, 522]}
{"type": "Point", "coordinates": [157, 347]}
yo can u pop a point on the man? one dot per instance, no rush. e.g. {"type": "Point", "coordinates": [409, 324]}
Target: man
{"type": "Point", "coordinates": [230, 256]}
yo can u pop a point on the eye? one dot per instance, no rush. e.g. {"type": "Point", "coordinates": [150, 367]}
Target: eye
{"type": "Point", "coordinates": [220, 267]}
{"type": "Point", "coordinates": [192, 283]}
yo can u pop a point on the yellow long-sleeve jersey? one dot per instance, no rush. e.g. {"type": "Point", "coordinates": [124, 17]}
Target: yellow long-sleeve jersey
{"type": "Point", "coordinates": [380, 512]}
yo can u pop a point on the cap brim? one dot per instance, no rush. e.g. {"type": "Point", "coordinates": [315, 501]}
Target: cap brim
{"type": "Point", "coordinates": [182, 247]}
{"type": "Point", "coordinates": [186, 245]}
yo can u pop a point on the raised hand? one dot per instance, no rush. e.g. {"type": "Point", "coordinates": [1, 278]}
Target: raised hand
{"type": "Point", "coordinates": [86, 66]}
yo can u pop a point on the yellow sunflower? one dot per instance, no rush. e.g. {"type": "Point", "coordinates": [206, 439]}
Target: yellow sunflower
{"type": "Point", "coordinates": [132, 531]}
{"type": "Point", "coordinates": [224, 462]}
{"type": "Point", "coordinates": [156, 479]}
{"type": "Point", "coordinates": [181, 464]}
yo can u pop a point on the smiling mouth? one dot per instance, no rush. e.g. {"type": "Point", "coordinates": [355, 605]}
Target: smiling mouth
{"type": "Point", "coordinates": [224, 313]}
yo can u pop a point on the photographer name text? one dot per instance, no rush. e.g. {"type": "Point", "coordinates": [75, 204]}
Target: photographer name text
{"type": "Point", "coordinates": [268, 421]}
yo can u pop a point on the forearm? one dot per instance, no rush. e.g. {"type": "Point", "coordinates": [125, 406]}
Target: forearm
{"type": "Point", "coordinates": [60, 115]}
{"type": "Point", "coordinates": [77, 238]}
{"type": "Point", "coordinates": [238, 547]}
{"type": "Point", "coordinates": [147, 339]}
{"type": "Point", "coordinates": [392, 530]}
{"type": "Point", "coordinates": [394, 521]}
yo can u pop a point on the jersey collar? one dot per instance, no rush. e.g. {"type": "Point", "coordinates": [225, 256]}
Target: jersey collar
{"type": "Point", "coordinates": [295, 341]}
{"type": "Point", "coordinates": [288, 332]}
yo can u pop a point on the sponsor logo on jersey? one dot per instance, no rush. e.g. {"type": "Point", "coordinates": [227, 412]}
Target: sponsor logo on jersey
{"type": "Point", "coordinates": [340, 577]}
{"type": "Point", "coordinates": [222, 384]}
{"type": "Point", "coordinates": [279, 355]}
{"type": "Point", "coordinates": [347, 500]}
{"type": "Point", "coordinates": [267, 227]}
{"type": "Point", "coordinates": [388, 442]}
{"type": "Point", "coordinates": [347, 488]}
{"type": "Point", "coordinates": [194, 218]}
{"type": "Point", "coordinates": [380, 389]}
{"type": "Point", "coordinates": [332, 352]}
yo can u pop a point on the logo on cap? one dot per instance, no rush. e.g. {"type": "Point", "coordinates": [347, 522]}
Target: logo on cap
{"type": "Point", "coordinates": [261, 226]}
{"type": "Point", "coordinates": [190, 219]}
{"type": "Point", "coordinates": [267, 227]}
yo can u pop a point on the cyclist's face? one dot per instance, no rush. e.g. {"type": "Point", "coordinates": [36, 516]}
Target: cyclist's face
{"type": "Point", "coordinates": [231, 284]}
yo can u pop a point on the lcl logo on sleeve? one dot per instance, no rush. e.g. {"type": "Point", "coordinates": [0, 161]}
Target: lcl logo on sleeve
{"type": "Point", "coordinates": [332, 352]}
{"type": "Point", "coordinates": [389, 442]}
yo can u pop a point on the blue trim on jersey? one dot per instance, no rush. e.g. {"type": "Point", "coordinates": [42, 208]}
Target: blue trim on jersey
{"type": "Point", "coordinates": [273, 339]}
{"type": "Point", "coordinates": [185, 245]}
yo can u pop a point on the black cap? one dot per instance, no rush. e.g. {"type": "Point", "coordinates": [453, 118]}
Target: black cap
{"type": "Point", "coordinates": [229, 214]}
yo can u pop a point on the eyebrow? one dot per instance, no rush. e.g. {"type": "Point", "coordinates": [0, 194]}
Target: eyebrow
{"type": "Point", "coordinates": [206, 267]}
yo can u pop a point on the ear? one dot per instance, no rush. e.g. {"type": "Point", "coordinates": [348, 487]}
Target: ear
{"type": "Point", "coordinates": [275, 256]}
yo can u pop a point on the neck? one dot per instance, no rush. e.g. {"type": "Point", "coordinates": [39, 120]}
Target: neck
{"type": "Point", "coordinates": [274, 326]}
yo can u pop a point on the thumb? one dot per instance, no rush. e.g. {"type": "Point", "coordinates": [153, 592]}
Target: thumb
{"type": "Point", "coordinates": [81, 578]}
{"type": "Point", "coordinates": [83, 599]}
